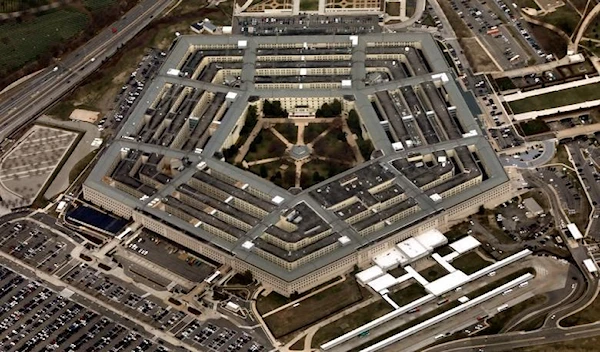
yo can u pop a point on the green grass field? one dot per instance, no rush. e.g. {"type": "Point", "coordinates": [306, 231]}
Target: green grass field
{"type": "Point", "coordinates": [20, 5]}
{"type": "Point", "coordinates": [470, 263]}
{"type": "Point", "coordinates": [556, 99]}
{"type": "Point", "coordinates": [532, 127]}
{"type": "Point", "coordinates": [408, 294]}
{"type": "Point", "coordinates": [503, 280]}
{"type": "Point", "coordinates": [314, 308]}
{"type": "Point", "coordinates": [564, 18]}
{"type": "Point", "coordinates": [589, 314]}
{"type": "Point", "coordinates": [309, 5]}
{"type": "Point", "coordinates": [98, 4]}
{"type": "Point", "coordinates": [23, 43]}
{"type": "Point", "coordinates": [351, 322]}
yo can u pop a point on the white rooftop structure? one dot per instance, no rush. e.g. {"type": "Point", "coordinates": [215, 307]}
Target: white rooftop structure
{"type": "Point", "coordinates": [447, 283]}
{"type": "Point", "coordinates": [590, 265]}
{"type": "Point", "coordinates": [412, 249]}
{"type": "Point", "coordinates": [465, 244]}
{"type": "Point", "coordinates": [369, 274]}
{"type": "Point", "coordinates": [242, 44]}
{"type": "Point", "coordinates": [382, 282]}
{"type": "Point", "coordinates": [397, 146]}
{"type": "Point", "coordinates": [450, 257]}
{"type": "Point", "coordinates": [247, 245]}
{"type": "Point", "coordinates": [346, 83]}
{"type": "Point", "coordinates": [173, 72]}
{"type": "Point", "coordinates": [231, 95]}
{"type": "Point", "coordinates": [344, 240]}
{"type": "Point", "coordinates": [471, 133]}
{"type": "Point", "coordinates": [574, 230]}
{"type": "Point", "coordinates": [232, 306]}
{"type": "Point", "coordinates": [576, 58]}
{"type": "Point", "coordinates": [354, 40]}
{"type": "Point", "coordinates": [96, 142]}
{"type": "Point", "coordinates": [277, 200]}
{"type": "Point", "coordinates": [390, 259]}
{"type": "Point", "coordinates": [303, 71]}
{"type": "Point", "coordinates": [431, 239]}
{"type": "Point", "coordinates": [438, 258]}
{"type": "Point", "coordinates": [440, 76]}
{"type": "Point", "coordinates": [463, 299]}
{"type": "Point", "coordinates": [436, 197]}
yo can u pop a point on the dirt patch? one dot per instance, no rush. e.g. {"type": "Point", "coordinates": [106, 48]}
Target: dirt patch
{"type": "Point", "coordinates": [85, 115]}
{"type": "Point", "coordinates": [477, 56]}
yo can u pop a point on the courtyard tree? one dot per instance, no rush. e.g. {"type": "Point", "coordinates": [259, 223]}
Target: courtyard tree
{"type": "Point", "coordinates": [263, 171]}
{"type": "Point", "coordinates": [354, 122]}
{"type": "Point", "coordinates": [336, 107]}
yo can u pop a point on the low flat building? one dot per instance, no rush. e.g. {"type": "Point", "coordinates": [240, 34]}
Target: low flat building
{"type": "Point", "coordinates": [167, 170]}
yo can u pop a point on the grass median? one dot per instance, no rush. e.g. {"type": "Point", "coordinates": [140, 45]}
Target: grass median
{"type": "Point", "coordinates": [315, 308]}
{"type": "Point", "coordinates": [557, 99]}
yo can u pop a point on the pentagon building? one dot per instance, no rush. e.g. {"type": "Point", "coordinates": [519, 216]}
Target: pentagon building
{"type": "Point", "coordinates": [431, 164]}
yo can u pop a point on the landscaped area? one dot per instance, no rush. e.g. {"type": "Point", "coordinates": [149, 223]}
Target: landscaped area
{"type": "Point", "coordinates": [470, 262]}
{"type": "Point", "coordinates": [309, 5]}
{"type": "Point", "coordinates": [499, 282]}
{"type": "Point", "coordinates": [532, 127]}
{"type": "Point", "coordinates": [315, 308]}
{"type": "Point", "coordinates": [555, 99]}
{"type": "Point", "coordinates": [500, 320]}
{"type": "Point", "coordinates": [590, 314]}
{"type": "Point", "coordinates": [408, 294]}
{"type": "Point", "coordinates": [299, 152]}
{"type": "Point", "coordinates": [565, 18]}
{"type": "Point", "coordinates": [351, 321]}
{"type": "Point", "coordinates": [433, 272]}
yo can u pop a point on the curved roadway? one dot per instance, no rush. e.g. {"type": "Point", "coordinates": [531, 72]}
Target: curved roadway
{"type": "Point", "coordinates": [51, 85]}
{"type": "Point", "coordinates": [550, 331]}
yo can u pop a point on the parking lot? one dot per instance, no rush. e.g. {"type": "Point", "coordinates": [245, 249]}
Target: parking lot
{"type": "Point", "coordinates": [506, 137]}
{"type": "Point", "coordinates": [170, 257]}
{"type": "Point", "coordinates": [307, 25]}
{"type": "Point", "coordinates": [34, 245]}
{"type": "Point", "coordinates": [211, 337]}
{"type": "Point", "coordinates": [583, 157]}
{"type": "Point", "coordinates": [567, 187]}
{"type": "Point", "coordinates": [125, 100]}
{"type": "Point", "coordinates": [125, 296]}
{"type": "Point", "coordinates": [499, 27]}
{"type": "Point", "coordinates": [34, 317]}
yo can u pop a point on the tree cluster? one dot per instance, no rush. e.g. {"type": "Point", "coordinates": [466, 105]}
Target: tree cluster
{"type": "Point", "coordinates": [330, 110]}
{"type": "Point", "coordinates": [251, 121]}
{"type": "Point", "coordinates": [273, 109]}
{"type": "Point", "coordinates": [354, 122]}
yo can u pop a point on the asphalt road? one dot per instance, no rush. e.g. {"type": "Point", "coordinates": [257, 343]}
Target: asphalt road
{"type": "Point", "coordinates": [50, 85]}
{"type": "Point", "coordinates": [550, 332]}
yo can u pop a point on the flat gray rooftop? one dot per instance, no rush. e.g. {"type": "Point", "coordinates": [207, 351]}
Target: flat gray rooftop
{"type": "Point", "coordinates": [164, 162]}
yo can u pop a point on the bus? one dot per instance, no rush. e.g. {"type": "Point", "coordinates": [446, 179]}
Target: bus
{"type": "Point", "coordinates": [439, 303]}
{"type": "Point", "coordinates": [514, 58]}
